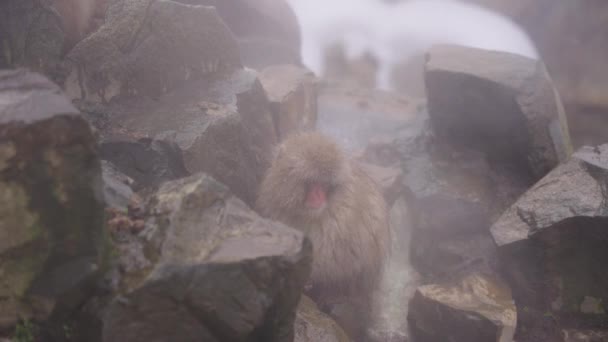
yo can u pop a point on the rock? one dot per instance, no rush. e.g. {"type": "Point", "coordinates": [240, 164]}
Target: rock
{"type": "Point", "coordinates": [574, 55]}
{"type": "Point", "coordinates": [148, 48]}
{"type": "Point", "coordinates": [502, 104]}
{"type": "Point", "coordinates": [31, 36]}
{"type": "Point", "coordinates": [584, 336]}
{"type": "Point", "coordinates": [312, 325]}
{"type": "Point", "coordinates": [221, 272]}
{"type": "Point", "coordinates": [552, 239]}
{"type": "Point", "coordinates": [51, 205]}
{"type": "Point", "coordinates": [455, 194]}
{"type": "Point", "coordinates": [222, 127]}
{"type": "Point", "coordinates": [147, 162]}
{"type": "Point", "coordinates": [260, 53]}
{"type": "Point", "coordinates": [478, 308]}
{"type": "Point", "coordinates": [117, 186]}
{"type": "Point", "coordinates": [356, 116]}
{"type": "Point", "coordinates": [267, 31]}
{"type": "Point", "coordinates": [292, 93]}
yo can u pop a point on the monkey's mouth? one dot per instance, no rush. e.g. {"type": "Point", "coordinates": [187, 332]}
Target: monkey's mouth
{"type": "Point", "coordinates": [316, 197]}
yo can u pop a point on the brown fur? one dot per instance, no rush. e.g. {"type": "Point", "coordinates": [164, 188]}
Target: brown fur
{"type": "Point", "coordinates": [76, 18]}
{"type": "Point", "coordinates": [351, 236]}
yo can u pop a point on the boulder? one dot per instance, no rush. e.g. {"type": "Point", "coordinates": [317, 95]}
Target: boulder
{"type": "Point", "coordinates": [501, 104]}
{"type": "Point", "coordinates": [146, 162]}
{"type": "Point", "coordinates": [31, 36]}
{"type": "Point", "coordinates": [312, 325]}
{"type": "Point", "coordinates": [51, 204]}
{"type": "Point", "coordinates": [355, 116]}
{"type": "Point", "coordinates": [574, 55]}
{"type": "Point", "coordinates": [222, 127]}
{"type": "Point", "coordinates": [476, 308]}
{"type": "Point", "coordinates": [267, 31]}
{"type": "Point", "coordinates": [148, 48]}
{"type": "Point", "coordinates": [292, 92]}
{"type": "Point", "coordinates": [573, 335]}
{"type": "Point", "coordinates": [221, 273]}
{"type": "Point", "coordinates": [117, 190]}
{"type": "Point", "coordinates": [552, 240]}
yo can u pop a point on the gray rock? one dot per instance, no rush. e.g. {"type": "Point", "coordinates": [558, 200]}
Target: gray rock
{"type": "Point", "coordinates": [573, 335]}
{"type": "Point", "coordinates": [148, 48]}
{"type": "Point", "coordinates": [148, 162]}
{"type": "Point", "coordinates": [477, 308]}
{"type": "Point", "coordinates": [292, 92]}
{"type": "Point", "coordinates": [312, 325]}
{"type": "Point", "coordinates": [222, 127]}
{"type": "Point", "coordinates": [221, 272]}
{"type": "Point", "coordinates": [31, 36]}
{"type": "Point", "coordinates": [117, 187]}
{"type": "Point", "coordinates": [51, 201]}
{"type": "Point", "coordinates": [553, 239]}
{"type": "Point", "coordinates": [502, 104]}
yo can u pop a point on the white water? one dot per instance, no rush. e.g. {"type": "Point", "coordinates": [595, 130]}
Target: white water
{"type": "Point", "coordinates": [393, 33]}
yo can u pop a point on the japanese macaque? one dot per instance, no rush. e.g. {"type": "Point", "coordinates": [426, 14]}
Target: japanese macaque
{"type": "Point", "coordinates": [313, 187]}
{"type": "Point", "coordinates": [77, 18]}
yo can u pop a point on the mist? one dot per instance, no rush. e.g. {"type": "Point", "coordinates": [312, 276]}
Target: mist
{"type": "Point", "coordinates": [393, 33]}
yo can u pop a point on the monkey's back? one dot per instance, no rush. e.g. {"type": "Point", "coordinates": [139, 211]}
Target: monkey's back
{"type": "Point", "coordinates": [352, 240]}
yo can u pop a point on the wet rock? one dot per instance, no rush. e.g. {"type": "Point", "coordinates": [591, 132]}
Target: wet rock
{"type": "Point", "coordinates": [501, 104]}
{"type": "Point", "coordinates": [260, 53]}
{"type": "Point", "coordinates": [31, 36]}
{"type": "Point", "coordinates": [292, 92]}
{"type": "Point", "coordinates": [117, 186]}
{"type": "Point", "coordinates": [477, 308]}
{"type": "Point", "coordinates": [148, 162]}
{"type": "Point", "coordinates": [148, 48]}
{"type": "Point", "coordinates": [455, 195]}
{"type": "Point", "coordinates": [221, 127]}
{"type": "Point", "coordinates": [552, 240]}
{"type": "Point", "coordinates": [312, 325]}
{"type": "Point", "coordinates": [267, 31]}
{"type": "Point", "coordinates": [355, 116]}
{"type": "Point", "coordinates": [221, 272]}
{"type": "Point", "coordinates": [585, 336]}
{"type": "Point", "coordinates": [574, 55]}
{"type": "Point", "coordinates": [51, 204]}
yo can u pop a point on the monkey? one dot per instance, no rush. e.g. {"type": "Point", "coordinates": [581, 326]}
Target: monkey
{"type": "Point", "coordinates": [313, 187]}
{"type": "Point", "coordinates": [76, 18]}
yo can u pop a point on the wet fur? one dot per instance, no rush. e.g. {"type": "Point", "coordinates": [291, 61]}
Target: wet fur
{"type": "Point", "coordinates": [351, 236]}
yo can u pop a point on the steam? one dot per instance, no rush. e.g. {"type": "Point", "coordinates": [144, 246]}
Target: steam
{"type": "Point", "coordinates": [395, 32]}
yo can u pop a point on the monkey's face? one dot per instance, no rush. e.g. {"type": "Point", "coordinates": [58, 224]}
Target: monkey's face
{"type": "Point", "coordinates": [305, 178]}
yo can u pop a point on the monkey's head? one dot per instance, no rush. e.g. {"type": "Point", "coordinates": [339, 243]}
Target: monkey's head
{"type": "Point", "coordinates": [308, 170]}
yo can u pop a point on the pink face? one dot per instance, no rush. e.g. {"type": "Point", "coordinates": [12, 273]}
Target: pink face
{"type": "Point", "coordinates": [316, 197]}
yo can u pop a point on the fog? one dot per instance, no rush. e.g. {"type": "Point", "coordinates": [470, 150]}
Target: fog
{"type": "Point", "coordinates": [394, 32]}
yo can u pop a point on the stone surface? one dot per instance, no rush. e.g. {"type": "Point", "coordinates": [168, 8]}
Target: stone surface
{"type": "Point", "coordinates": [220, 271]}
{"type": "Point", "coordinates": [572, 335]}
{"type": "Point", "coordinates": [117, 190]}
{"type": "Point", "coordinates": [477, 308]}
{"type": "Point", "coordinates": [292, 92]}
{"type": "Point", "coordinates": [501, 104]}
{"type": "Point", "coordinates": [557, 229]}
{"type": "Point", "coordinates": [31, 36]}
{"type": "Point", "coordinates": [148, 48]}
{"type": "Point", "coordinates": [51, 204]}
{"type": "Point", "coordinates": [312, 325]}
{"type": "Point", "coordinates": [221, 127]}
